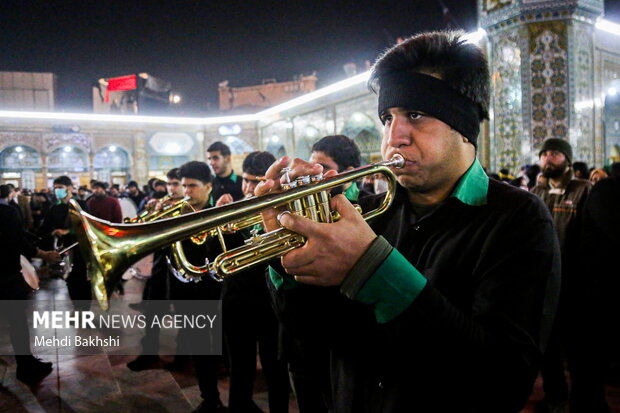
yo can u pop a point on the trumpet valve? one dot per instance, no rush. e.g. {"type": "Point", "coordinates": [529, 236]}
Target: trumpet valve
{"type": "Point", "coordinates": [255, 237]}
{"type": "Point", "coordinates": [299, 181]}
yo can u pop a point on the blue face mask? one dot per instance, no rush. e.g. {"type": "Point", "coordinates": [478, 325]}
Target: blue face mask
{"type": "Point", "coordinates": [61, 193]}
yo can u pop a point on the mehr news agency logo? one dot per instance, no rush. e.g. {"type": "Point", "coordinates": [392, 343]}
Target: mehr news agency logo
{"type": "Point", "coordinates": [89, 320]}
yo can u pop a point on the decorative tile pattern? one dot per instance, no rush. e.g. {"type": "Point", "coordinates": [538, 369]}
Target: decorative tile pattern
{"type": "Point", "coordinates": [549, 80]}
{"type": "Point", "coordinates": [582, 92]}
{"type": "Point", "coordinates": [54, 140]}
{"type": "Point", "coordinates": [494, 5]}
{"type": "Point", "coordinates": [30, 139]}
{"type": "Point", "coordinates": [141, 168]}
{"type": "Point", "coordinates": [507, 99]}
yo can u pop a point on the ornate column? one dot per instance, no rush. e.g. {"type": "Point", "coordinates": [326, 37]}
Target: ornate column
{"type": "Point", "coordinates": [200, 147]}
{"type": "Point", "coordinates": [541, 55]}
{"type": "Point", "coordinates": [140, 164]}
{"type": "Point", "coordinates": [44, 168]}
{"type": "Point", "coordinates": [91, 166]}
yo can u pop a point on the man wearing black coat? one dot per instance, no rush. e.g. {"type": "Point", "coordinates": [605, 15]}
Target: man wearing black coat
{"type": "Point", "coordinates": [56, 224]}
{"type": "Point", "coordinates": [425, 309]}
{"type": "Point", "coordinates": [13, 243]}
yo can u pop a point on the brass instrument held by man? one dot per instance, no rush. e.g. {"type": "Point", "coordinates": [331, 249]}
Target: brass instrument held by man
{"type": "Point", "coordinates": [169, 208]}
{"type": "Point", "coordinates": [109, 249]}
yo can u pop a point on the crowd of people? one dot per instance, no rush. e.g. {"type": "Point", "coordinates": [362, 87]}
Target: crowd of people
{"type": "Point", "coordinates": [455, 299]}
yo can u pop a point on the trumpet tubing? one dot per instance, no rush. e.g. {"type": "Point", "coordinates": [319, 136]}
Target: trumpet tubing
{"type": "Point", "coordinates": [109, 249]}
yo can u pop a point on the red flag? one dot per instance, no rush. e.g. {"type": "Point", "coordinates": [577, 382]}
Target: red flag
{"type": "Point", "coordinates": [120, 83]}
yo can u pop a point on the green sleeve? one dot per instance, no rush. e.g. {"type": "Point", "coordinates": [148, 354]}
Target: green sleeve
{"type": "Point", "coordinates": [392, 288]}
{"type": "Point", "coordinates": [287, 281]}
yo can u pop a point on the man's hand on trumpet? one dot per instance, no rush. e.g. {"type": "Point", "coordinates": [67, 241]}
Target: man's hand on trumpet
{"type": "Point", "coordinates": [331, 249]}
{"type": "Point", "coordinates": [274, 178]}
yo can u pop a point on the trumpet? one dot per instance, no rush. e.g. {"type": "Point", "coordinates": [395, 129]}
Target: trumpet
{"type": "Point", "coordinates": [109, 249]}
{"type": "Point", "coordinates": [170, 208]}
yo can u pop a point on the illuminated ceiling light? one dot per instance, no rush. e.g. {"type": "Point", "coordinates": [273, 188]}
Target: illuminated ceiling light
{"type": "Point", "coordinates": [311, 132]}
{"type": "Point", "coordinates": [608, 26]}
{"type": "Point", "coordinates": [308, 97]}
{"type": "Point", "coordinates": [357, 117]}
{"type": "Point", "coordinates": [21, 156]}
{"type": "Point", "coordinates": [612, 91]}
{"type": "Point", "coordinates": [275, 139]}
{"type": "Point", "coordinates": [172, 148]}
{"type": "Point", "coordinates": [18, 149]}
{"type": "Point", "coordinates": [584, 104]}
{"type": "Point", "coordinates": [160, 120]}
{"type": "Point", "coordinates": [226, 130]}
{"type": "Point", "coordinates": [112, 148]}
{"type": "Point", "coordinates": [175, 99]}
{"type": "Point", "coordinates": [67, 149]}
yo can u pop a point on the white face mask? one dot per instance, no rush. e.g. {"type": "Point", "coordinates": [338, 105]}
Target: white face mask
{"type": "Point", "coordinates": [380, 186]}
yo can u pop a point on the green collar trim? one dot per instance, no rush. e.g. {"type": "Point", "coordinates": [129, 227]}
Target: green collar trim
{"type": "Point", "coordinates": [353, 193]}
{"type": "Point", "coordinates": [473, 187]}
{"type": "Point", "coordinates": [233, 177]}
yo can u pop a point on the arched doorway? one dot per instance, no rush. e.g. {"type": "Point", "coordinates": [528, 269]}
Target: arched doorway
{"type": "Point", "coordinates": [303, 146]}
{"type": "Point", "coordinates": [111, 164]}
{"type": "Point", "coordinates": [69, 160]}
{"type": "Point", "coordinates": [169, 150]}
{"type": "Point", "coordinates": [21, 166]}
{"type": "Point", "coordinates": [363, 131]}
{"type": "Point", "coordinates": [238, 150]}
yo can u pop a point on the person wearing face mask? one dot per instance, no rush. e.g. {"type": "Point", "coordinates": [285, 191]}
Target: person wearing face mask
{"type": "Point", "coordinates": [151, 201]}
{"type": "Point", "coordinates": [104, 206]}
{"type": "Point", "coordinates": [57, 224]}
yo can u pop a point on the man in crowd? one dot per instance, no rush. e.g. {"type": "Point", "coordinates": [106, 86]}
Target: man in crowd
{"type": "Point", "coordinates": [134, 193]}
{"type": "Point", "coordinates": [115, 191]}
{"type": "Point", "coordinates": [249, 321]}
{"type": "Point", "coordinates": [56, 224]}
{"type": "Point", "coordinates": [158, 191]}
{"type": "Point", "coordinates": [155, 291]}
{"type": "Point", "coordinates": [14, 290]}
{"type": "Point", "coordinates": [226, 183]}
{"type": "Point", "coordinates": [84, 193]}
{"type": "Point", "coordinates": [104, 206]}
{"type": "Point", "coordinates": [196, 179]}
{"type": "Point", "coordinates": [309, 360]}
{"type": "Point", "coordinates": [424, 309]}
{"type": "Point", "coordinates": [339, 153]}
{"type": "Point", "coordinates": [601, 244]}
{"type": "Point", "coordinates": [566, 196]}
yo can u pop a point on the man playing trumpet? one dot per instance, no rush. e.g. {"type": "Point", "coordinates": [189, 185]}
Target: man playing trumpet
{"type": "Point", "coordinates": [423, 308]}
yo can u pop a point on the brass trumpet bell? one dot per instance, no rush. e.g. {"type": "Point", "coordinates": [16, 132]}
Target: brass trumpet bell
{"type": "Point", "coordinates": [109, 249]}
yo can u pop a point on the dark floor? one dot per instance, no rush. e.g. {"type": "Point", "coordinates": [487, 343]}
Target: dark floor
{"type": "Point", "coordinates": [103, 383]}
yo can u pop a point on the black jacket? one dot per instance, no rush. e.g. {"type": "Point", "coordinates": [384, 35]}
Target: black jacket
{"type": "Point", "coordinates": [228, 185]}
{"type": "Point", "coordinates": [57, 217]}
{"type": "Point", "coordinates": [13, 241]}
{"type": "Point", "coordinates": [472, 340]}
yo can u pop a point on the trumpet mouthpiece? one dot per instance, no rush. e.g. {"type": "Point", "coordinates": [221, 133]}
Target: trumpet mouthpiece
{"type": "Point", "coordinates": [397, 161]}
